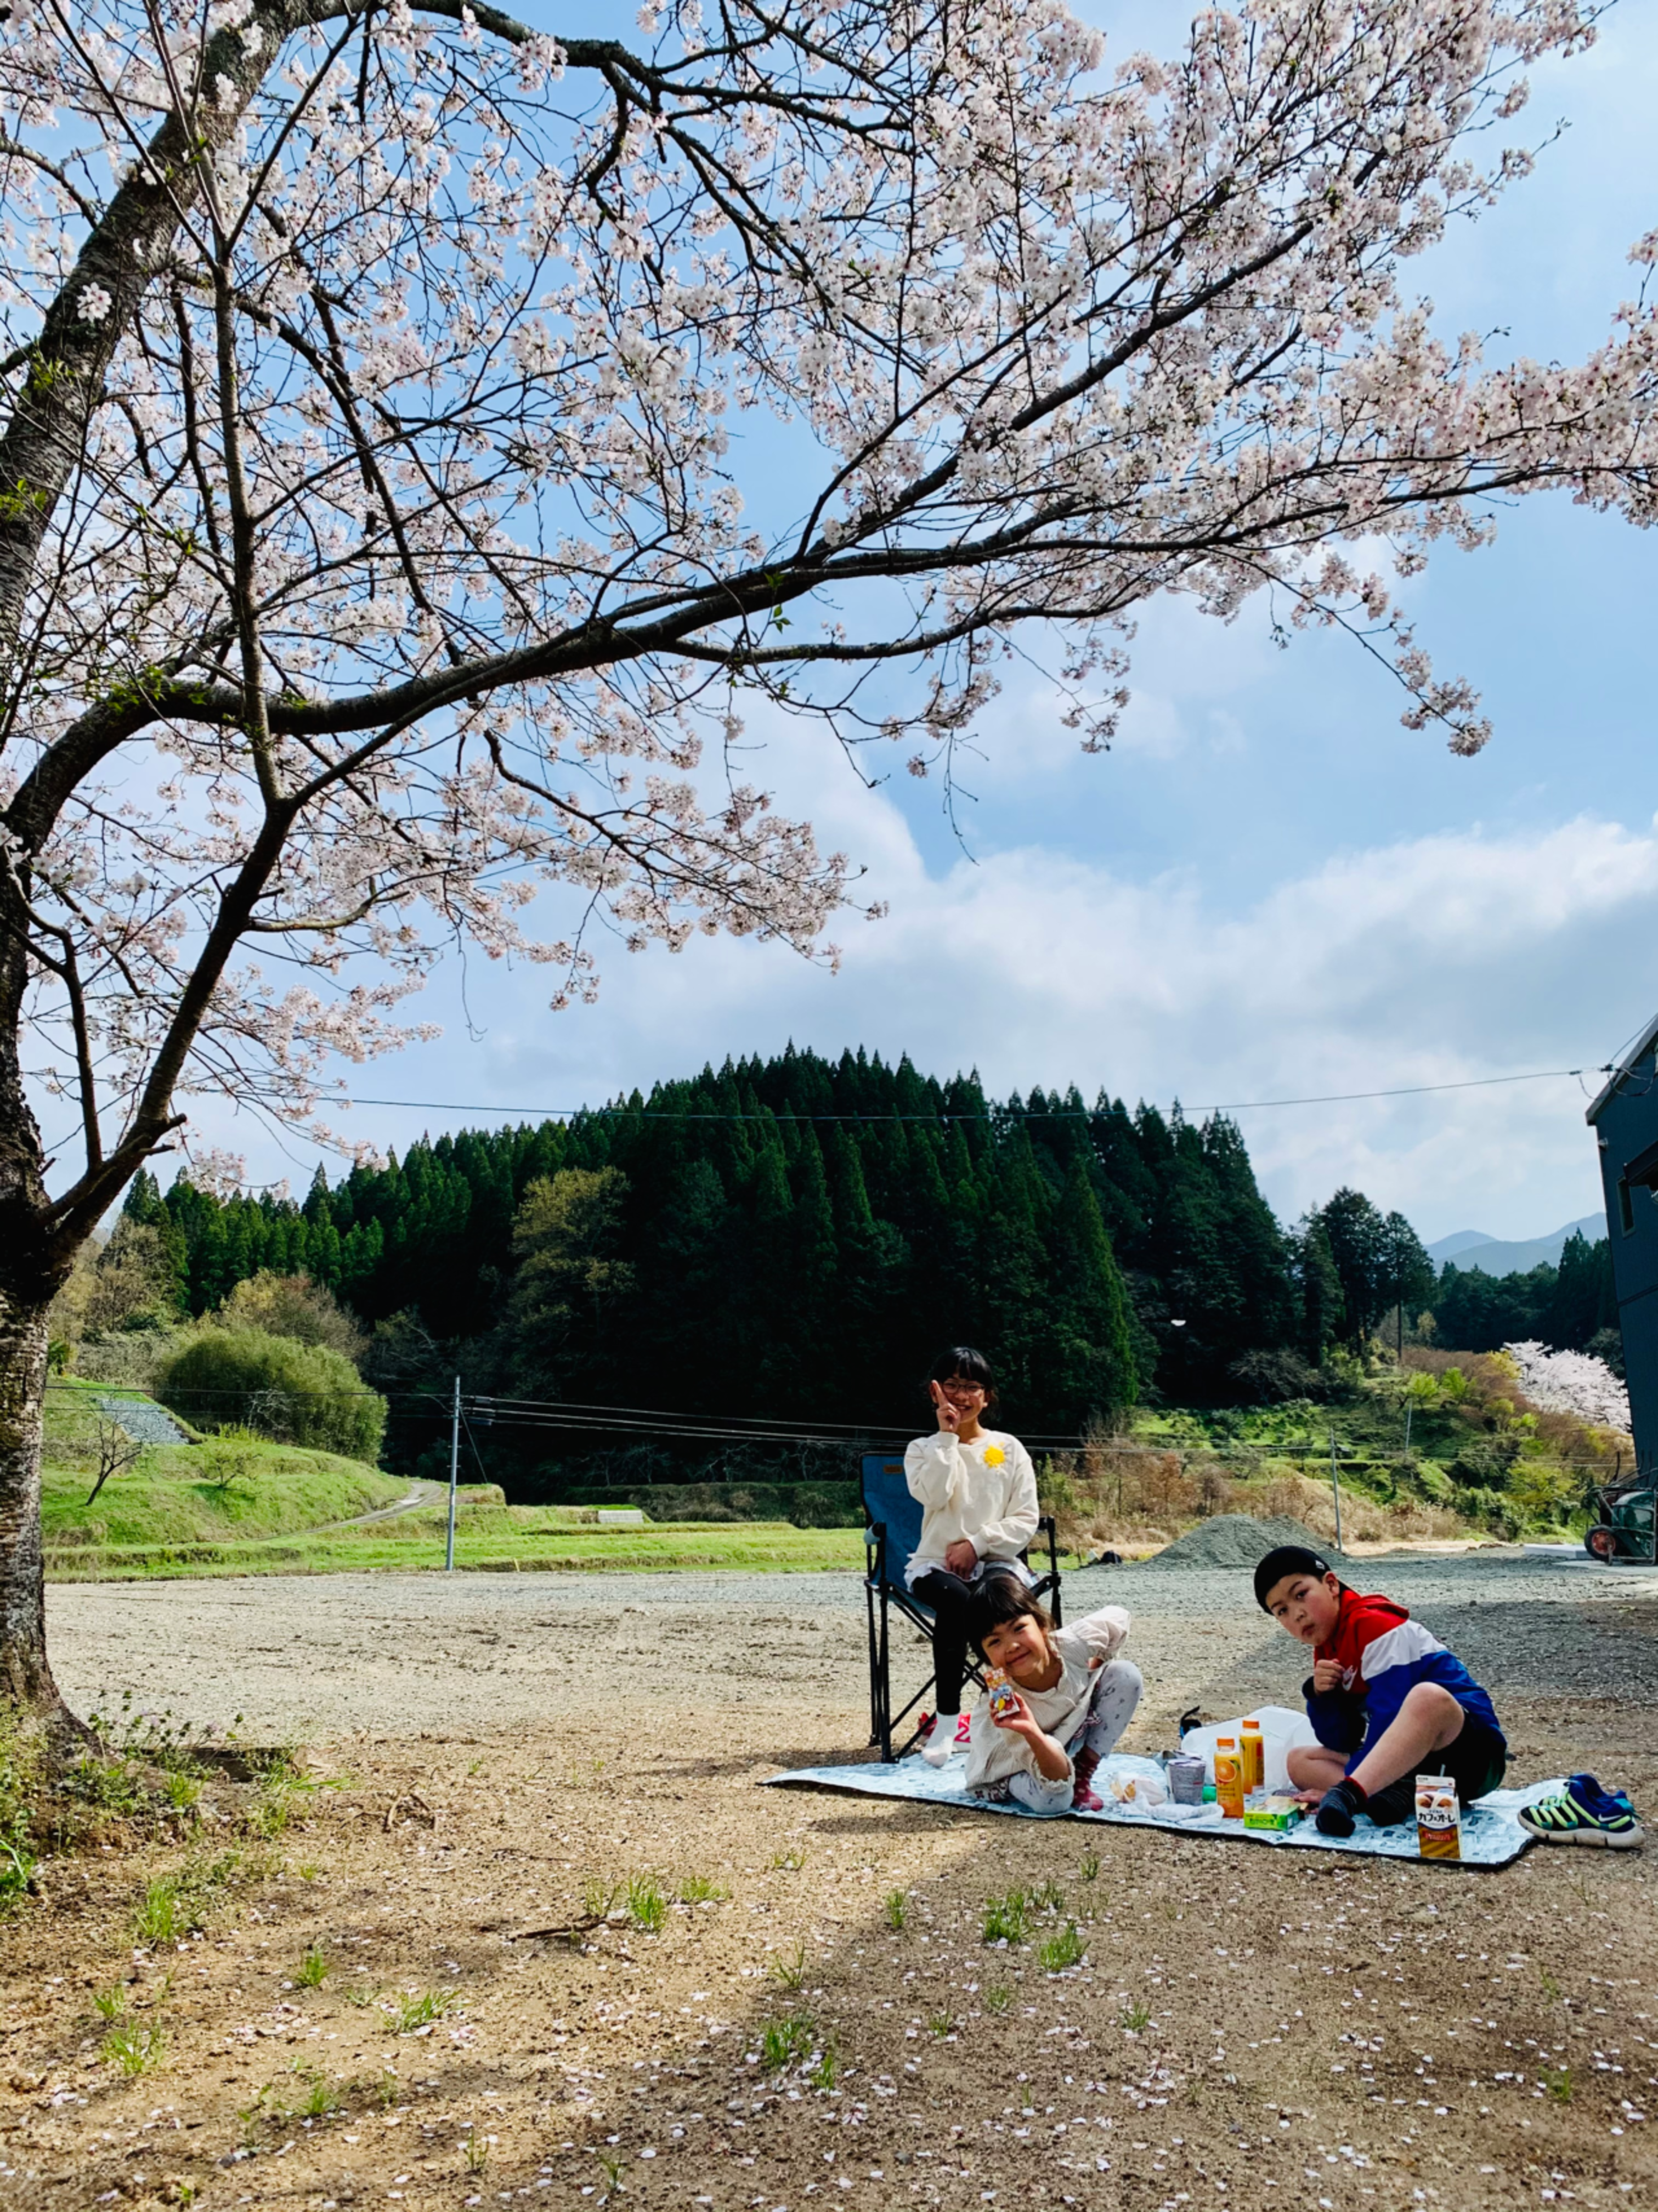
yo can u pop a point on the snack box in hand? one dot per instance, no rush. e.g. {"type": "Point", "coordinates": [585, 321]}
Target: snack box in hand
{"type": "Point", "coordinates": [1004, 1697]}
{"type": "Point", "coordinates": [1279, 1812]}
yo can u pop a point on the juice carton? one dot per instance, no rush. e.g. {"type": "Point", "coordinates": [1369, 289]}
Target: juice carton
{"type": "Point", "coordinates": [1276, 1813]}
{"type": "Point", "coordinates": [1004, 1697]}
{"type": "Point", "coordinates": [1438, 1817]}
{"type": "Point", "coordinates": [1229, 1778]}
{"type": "Point", "coordinates": [1254, 1757]}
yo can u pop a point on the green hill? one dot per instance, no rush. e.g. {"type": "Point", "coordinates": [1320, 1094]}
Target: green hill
{"type": "Point", "coordinates": [236, 1504]}
{"type": "Point", "coordinates": [223, 1487]}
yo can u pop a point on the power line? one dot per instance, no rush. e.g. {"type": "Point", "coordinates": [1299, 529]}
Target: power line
{"type": "Point", "coordinates": [1409, 1090]}
{"type": "Point", "coordinates": [552, 1416]}
{"type": "Point", "coordinates": [949, 1114]}
{"type": "Point", "coordinates": [669, 1413]}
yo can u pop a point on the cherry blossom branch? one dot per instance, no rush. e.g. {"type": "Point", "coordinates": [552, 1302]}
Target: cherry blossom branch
{"type": "Point", "coordinates": [67, 968]}
{"type": "Point", "coordinates": [375, 491]}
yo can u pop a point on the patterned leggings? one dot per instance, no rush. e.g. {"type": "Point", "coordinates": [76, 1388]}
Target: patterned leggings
{"type": "Point", "coordinates": [1117, 1688]}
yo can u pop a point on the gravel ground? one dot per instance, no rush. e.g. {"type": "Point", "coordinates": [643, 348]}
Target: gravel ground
{"type": "Point", "coordinates": [1237, 2031]}
{"type": "Point", "coordinates": [146, 1424]}
{"type": "Point", "coordinates": [325, 1657]}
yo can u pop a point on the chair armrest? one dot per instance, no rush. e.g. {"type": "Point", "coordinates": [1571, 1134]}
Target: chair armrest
{"type": "Point", "coordinates": [875, 1551]}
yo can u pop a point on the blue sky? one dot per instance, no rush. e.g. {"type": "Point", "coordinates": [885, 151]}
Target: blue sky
{"type": "Point", "coordinates": [1268, 887]}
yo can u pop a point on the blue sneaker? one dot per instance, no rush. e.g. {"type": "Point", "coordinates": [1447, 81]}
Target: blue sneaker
{"type": "Point", "coordinates": [1584, 1812]}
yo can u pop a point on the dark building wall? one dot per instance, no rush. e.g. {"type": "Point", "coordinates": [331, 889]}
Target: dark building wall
{"type": "Point", "coordinates": [1626, 1125]}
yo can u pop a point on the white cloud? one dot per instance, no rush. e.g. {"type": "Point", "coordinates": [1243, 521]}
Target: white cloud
{"type": "Point", "coordinates": [1439, 955]}
{"type": "Point", "coordinates": [1435, 960]}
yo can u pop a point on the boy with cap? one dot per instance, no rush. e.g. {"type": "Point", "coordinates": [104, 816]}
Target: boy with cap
{"type": "Point", "coordinates": [1387, 1700]}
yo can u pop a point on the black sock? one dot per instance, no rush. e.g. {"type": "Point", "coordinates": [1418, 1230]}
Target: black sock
{"type": "Point", "coordinates": [1395, 1804]}
{"type": "Point", "coordinates": [1338, 1809]}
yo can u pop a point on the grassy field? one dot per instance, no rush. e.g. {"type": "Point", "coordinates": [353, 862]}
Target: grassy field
{"type": "Point", "coordinates": [500, 1539]}
{"type": "Point", "coordinates": [236, 1505]}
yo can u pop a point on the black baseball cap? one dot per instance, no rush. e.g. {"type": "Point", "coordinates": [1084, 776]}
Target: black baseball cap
{"type": "Point", "coordinates": [1287, 1560]}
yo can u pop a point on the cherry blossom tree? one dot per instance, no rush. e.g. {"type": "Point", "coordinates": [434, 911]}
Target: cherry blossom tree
{"type": "Point", "coordinates": [423, 437]}
{"type": "Point", "coordinates": [1572, 1383]}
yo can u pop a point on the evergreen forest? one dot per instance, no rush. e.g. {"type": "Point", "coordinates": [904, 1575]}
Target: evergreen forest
{"type": "Point", "coordinates": [795, 1238]}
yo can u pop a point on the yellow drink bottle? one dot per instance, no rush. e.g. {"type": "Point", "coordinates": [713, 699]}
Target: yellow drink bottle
{"type": "Point", "coordinates": [1254, 1757]}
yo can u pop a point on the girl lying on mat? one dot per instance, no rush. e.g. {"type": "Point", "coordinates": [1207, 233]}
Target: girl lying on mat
{"type": "Point", "coordinates": [1036, 1740]}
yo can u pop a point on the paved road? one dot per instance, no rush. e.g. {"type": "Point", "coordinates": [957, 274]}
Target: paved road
{"type": "Point", "coordinates": [420, 1493]}
{"type": "Point", "coordinates": [321, 1656]}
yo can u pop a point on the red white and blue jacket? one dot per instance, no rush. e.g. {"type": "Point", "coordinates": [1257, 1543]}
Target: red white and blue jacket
{"type": "Point", "coordinates": [1383, 1654]}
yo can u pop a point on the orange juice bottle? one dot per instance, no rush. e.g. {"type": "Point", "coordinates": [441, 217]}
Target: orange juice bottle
{"type": "Point", "coordinates": [1229, 1778]}
{"type": "Point", "coordinates": [1254, 1757]}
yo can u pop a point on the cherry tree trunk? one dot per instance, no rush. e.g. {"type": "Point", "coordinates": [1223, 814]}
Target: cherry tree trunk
{"type": "Point", "coordinates": [25, 1679]}
{"type": "Point", "coordinates": [31, 1269]}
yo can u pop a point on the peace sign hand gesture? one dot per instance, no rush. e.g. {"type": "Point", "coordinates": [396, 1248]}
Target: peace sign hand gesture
{"type": "Point", "coordinates": [950, 1416]}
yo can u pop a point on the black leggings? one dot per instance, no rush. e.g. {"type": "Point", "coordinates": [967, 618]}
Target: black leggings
{"type": "Point", "coordinates": [949, 1596]}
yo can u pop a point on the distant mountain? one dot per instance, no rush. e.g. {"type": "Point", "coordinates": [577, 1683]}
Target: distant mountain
{"type": "Point", "coordinates": [1490, 1256]}
{"type": "Point", "coordinates": [1459, 1242]}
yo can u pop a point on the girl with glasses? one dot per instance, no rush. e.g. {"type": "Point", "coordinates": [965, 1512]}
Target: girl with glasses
{"type": "Point", "coordinates": [977, 1491]}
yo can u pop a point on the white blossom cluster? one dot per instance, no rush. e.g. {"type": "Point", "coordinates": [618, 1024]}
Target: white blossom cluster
{"type": "Point", "coordinates": [1572, 1383]}
{"type": "Point", "coordinates": [386, 393]}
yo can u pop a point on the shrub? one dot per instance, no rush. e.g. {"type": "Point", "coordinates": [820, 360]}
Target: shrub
{"type": "Point", "coordinates": [129, 1359]}
{"type": "Point", "coordinates": [293, 1393]}
{"type": "Point", "coordinates": [1546, 1495]}
{"type": "Point", "coordinates": [1276, 1377]}
{"type": "Point", "coordinates": [292, 1305]}
{"type": "Point", "coordinates": [1483, 1463]}
{"type": "Point", "coordinates": [1501, 1515]}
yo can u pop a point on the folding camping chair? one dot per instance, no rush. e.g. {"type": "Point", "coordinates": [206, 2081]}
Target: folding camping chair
{"type": "Point", "coordinates": [892, 1531]}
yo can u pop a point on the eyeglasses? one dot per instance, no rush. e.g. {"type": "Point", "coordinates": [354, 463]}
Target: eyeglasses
{"type": "Point", "coordinates": [956, 1388]}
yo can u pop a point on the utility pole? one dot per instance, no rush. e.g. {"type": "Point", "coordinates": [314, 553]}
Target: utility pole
{"type": "Point", "coordinates": [1335, 1487]}
{"type": "Point", "coordinates": [454, 1477]}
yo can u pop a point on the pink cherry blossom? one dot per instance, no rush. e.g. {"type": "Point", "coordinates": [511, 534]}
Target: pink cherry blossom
{"type": "Point", "coordinates": [423, 440]}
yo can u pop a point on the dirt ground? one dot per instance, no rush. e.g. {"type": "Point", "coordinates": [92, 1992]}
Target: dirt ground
{"type": "Point", "coordinates": [510, 1766]}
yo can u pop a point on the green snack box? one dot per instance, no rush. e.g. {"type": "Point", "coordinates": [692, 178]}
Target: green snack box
{"type": "Point", "coordinates": [1279, 1812]}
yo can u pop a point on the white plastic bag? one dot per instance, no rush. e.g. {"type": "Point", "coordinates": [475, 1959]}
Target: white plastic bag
{"type": "Point", "coordinates": [1281, 1730]}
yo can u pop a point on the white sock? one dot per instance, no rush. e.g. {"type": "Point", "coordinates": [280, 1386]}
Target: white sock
{"type": "Point", "coordinates": [941, 1742]}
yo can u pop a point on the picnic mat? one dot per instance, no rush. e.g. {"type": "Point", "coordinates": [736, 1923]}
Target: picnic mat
{"type": "Point", "coordinates": [1491, 1836]}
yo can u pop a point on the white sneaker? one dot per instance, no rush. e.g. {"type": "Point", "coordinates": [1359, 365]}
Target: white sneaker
{"type": "Point", "coordinates": [950, 1734]}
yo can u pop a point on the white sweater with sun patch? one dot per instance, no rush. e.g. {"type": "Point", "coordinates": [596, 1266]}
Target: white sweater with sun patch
{"type": "Point", "coordinates": [984, 1491]}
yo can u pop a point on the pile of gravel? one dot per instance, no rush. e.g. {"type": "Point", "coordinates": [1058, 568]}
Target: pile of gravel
{"type": "Point", "coordinates": [1237, 1540]}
